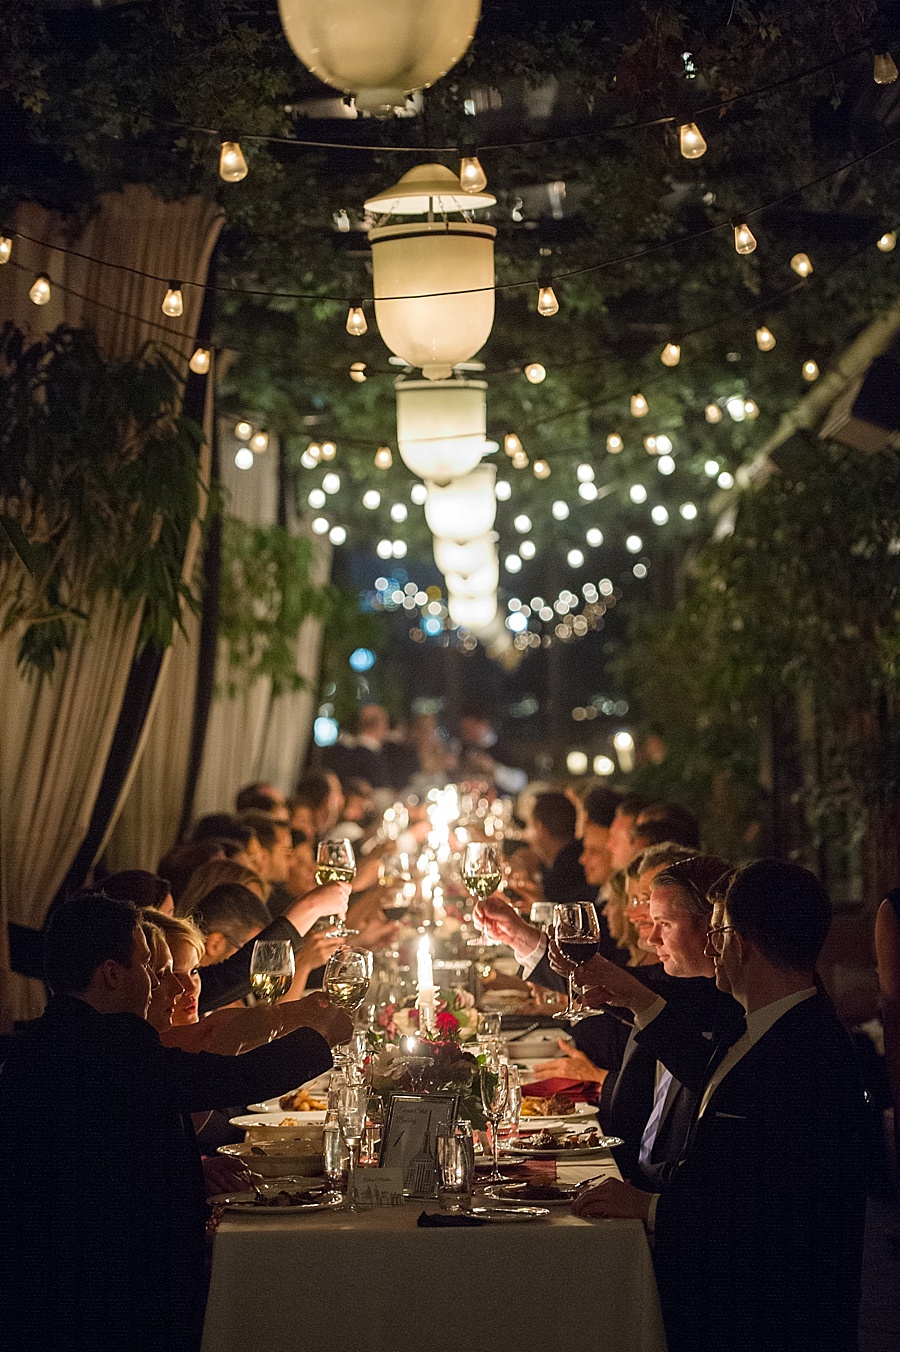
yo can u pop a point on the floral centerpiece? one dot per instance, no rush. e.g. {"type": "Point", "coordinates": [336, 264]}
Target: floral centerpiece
{"type": "Point", "coordinates": [409, 1062]}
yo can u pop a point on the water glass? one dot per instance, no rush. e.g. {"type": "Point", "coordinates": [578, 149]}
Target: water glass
{"type": "Point", "coordinates": [456, 1170]}
{"type": "Point", "coordinates": [334, 1148]}
{"type": "Point", "coordinates": [510, 1122]}
{"type": "Point", "coordinates": [489, 1025]}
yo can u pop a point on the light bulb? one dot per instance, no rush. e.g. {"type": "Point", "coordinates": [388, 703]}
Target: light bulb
{"type": "Point", "coordinates": [512, 563]}
{"type": "Point", "coordinates": [639, 406]}
{"type": "Point", "coordinates": [337, 535]}
{"type": "Point", "coordinates": [329, 450]}
{"type": "Point", "coordinates": [243, 457]}
{"type": "Point", "coordinates": [711, 469]}
{"type": "Point", "coordinates": [671, 354]}
{"type": "Point", "coordinates": [535, 373]}
{"type": "Point", "coordinates": [751, 408]}
{"type": "Point", "coordinates": [356, 321]}
{"type": "Point", "coordinates": [502, 491]}
{"type": "Point", "coordinates": [471, 174]}
{"type": "Point", "coordinates": [40, 290]}
{"type": "Point", "coordinates": [665, 464]}
{"type": "Point", "coordinates": [594, 537]}
{"type": "Point", "coordinates": [232, 165]}
{"type": "Point", "coordinates": [725, 480]}
{"type": "Point", "coordinates": [713, 413]}
{"type": "Point", "coordinates": [383, 458]}
{"type": "Point", "coordinates": [765, 338]}
{"type": "Point", "coordinates": [419, 494]}
{"type": "Point", "coordinates": [511, 444]}
{"type": "Point", "coordinates": [884, 68]}
{"type": "Point", "coordinates": [314, 451]}
{"type": "Point", "coordinates": [888, 242]}
{"type": "Point", "coordinates": [585, 474]}
{"type": "Point", "coordinates": [659, 515]}
{"type": "Point", "coordinates": [810, 371]}
{"type": "Point", "coordinates": [321, 525]}
{"type": "Point", "coordinates": [634, 544]}
{"type": "Point", "coordinates": [744, 239]}
{"type": "Point", "coordinates": [736, 410]}
{"type": "Point", "coordinates": [614, 443]}
{"type": "Point", "coordinates": [173, 304]}
{"type": "Point", "coordinates": [5, 249]}
{"type": "Point", "coordinates": [341, 221]}
{"type": "Point", "coordinates": [399, 512]}
{"type": "Point", "coordinates": [802, 265]}
{"type": "Point", "coordinates": [650, 445]}
{"type": "Point", "coordinates": [358, 372]}
{"type": "Point", "coordinates": [690, 141]}
{"type": "Point", "coordinates": [520, 460]}
{"type": "Point", "coordinates": [560, 510]}
{"type": "Point", "coordinates": [259, 442]}
{"type": "Point", "coordinates": [688, 511]}
{"type": "Point", "coordinates": [575, 558]}
{"type": "Point", "coordinates": [541, 469]}
{"type": "Point", "coordinates": [243, 431]}
{"type": "Point", "coordinates": [522, 524]}
{"type": "Point", "coordinates": [547, 304]}
{"type": "Point", "coordinates": [332, 483]}
{"type": "Point", "coordinates": [588, 492]}
{"type": "Point", "coordinates": [663, 445]}
{"type": "Point", "coordinates": [317, 499]}
{"type": "Point", "coordinates": [527, 549]}
{"type": "Point", "coordinates": [371, 499]}
{"type": "Point", "coordinates": [199, 363]}
{"type": "Point", "coordinates": [637, 493]}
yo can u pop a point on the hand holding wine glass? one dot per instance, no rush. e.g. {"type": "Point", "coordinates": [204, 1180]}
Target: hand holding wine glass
{"type": "Point", "coordinates": [576, 933]}
{"type": "Point", "coordinates": [347, 976]}
{"type": "Point", "coordinates": [271, 969]}
{"type": "Point", "coordinates": [336, 863]}
{"type": "Point", "coordinates": [481, 871]}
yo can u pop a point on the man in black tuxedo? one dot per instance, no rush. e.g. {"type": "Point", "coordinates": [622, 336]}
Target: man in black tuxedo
{"type": "Point", "coordinates": [102, 1207]}
{"type": "Point", "coordinates": [758, 1233]}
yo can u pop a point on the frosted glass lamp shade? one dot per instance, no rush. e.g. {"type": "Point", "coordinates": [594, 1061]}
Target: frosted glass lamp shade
{"type": "Point", "coordinates": [464, 508]}
{"type": "Point", "coordinates": [441, 426]}
{"type": "Point", "coordinates": [464, 559]}
{"type": "Point", "coordinates": [483, 581]}
{"type": "Point", "coordinates": [379, 50]}
{"type": "Point", "coordinates": [475, 613]}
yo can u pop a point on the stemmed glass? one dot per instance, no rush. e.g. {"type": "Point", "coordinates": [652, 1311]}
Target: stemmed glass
{"type": "Point", "coordinates": [335, 863]}
{"type": "Point", "coordinates": [481, 870]}
{"type": "Point", "coordinates": [352, 1101]}
{"type": "Point", "coordinates": [271, 969]}
{"type": "Point", "coordinates": [576, 929]}
{"type": "Point", "coordinates": [494, 1093]}
{"type": "Point", "coordinates": [347, 976]}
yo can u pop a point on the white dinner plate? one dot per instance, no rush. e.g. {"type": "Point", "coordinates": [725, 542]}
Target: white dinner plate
{"type": "Point", "coordinates": [563, 1153]}
{"type": "Point", "coordinates": [511, 1194]}
{"type": "Point", "coordinates": [580, 1112]}
{"type": "Point", "coordinates": [241, 1202]}
{"type": "Point", "coordinates": [272, 1107]}
{"type": "Point", "coordinates": [282, 1118]}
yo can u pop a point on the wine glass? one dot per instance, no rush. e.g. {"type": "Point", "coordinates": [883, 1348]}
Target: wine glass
{"type": "Point", "coordinates": [347, 976]}
{"type": "Point", "coordinates": [352, 1101]}
{"type": "Point", "coordinates": [335, 863]}
{"type": "Point", "coordinates": [576, 929]}
{"type": "Point", "coordinates": [494, 1093]}
{"type": "Point", "coordinates": [271, 969]}
{"type": "Point", "coordinates": [513, 1101]}
{"type": "Point", "coordinates": [481, 869]}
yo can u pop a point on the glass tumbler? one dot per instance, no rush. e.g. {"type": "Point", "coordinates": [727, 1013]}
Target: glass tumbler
{"type": "Point", "coordinates": [455, 1171]}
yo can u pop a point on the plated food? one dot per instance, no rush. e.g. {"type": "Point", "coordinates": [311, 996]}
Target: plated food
{"type": "Point", "coordinates": [550, 1145]}
{"type": "Point", "coordinates": [546, 1194]}
{"type": "Point", "coordinates": [557, 1105]}
{"type": "Point", "coordinates": [302, 1101]}
{"type": "Point", "coordinates": [278, 1202]}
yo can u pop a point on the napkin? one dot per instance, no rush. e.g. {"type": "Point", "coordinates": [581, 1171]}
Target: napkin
{"type": "Point", "coordinates": [574, 1090]}
{"type": "Point", "coordinates": [439, 1220]}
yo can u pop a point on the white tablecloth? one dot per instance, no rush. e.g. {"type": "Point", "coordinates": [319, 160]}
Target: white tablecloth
{"type": "Point", "coordinates": [375, 1283]}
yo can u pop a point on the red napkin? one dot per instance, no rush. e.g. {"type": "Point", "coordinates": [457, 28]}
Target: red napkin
{"type": "Point", "coordinates": [575, 1090]}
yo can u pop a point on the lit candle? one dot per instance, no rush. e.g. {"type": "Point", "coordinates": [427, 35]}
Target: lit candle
{"type": "Point", "coordinates": [425, 973]}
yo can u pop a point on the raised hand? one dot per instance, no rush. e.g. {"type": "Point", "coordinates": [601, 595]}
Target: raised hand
{"type": "Point", "coordinates": [502, 923]}
{"type": "Point", "coordinates": [603, 983]}
{"type": "Point", "coordinates": [572, 1064]}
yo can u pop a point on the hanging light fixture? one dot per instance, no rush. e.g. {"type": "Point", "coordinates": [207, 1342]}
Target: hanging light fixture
{"type": "Point", "coordinates": [466, 558]}
{"type": "Point", "coordinates": [39, 291]}
{"type": "Point", "coordinates": [199, 362]}
{"type": "Point", "coordinates": [465, 508]}
{"type": "Point", "coordinates": [383, 458]}
{"type": "Point", "coordinates": [473, 612]}
{"type": "Point", "coordinates": [379, 50]}
{"type": "Point", "coordinates": [232, 165]}
{"type": "Point", "coordinates": [802, 265]}
{"type": "Point", "coordinates": [471, 174]}
{"type": "Point", "coordinates": [356, 324]}
{"type": "Point", "coordinates": [614, 443]}
{"type": "Point", "coordinates": [173, 302]}
{"type": "Point", "coordinates": [671, 354]}
{"type": "Point", "coordinates": [482, 581]}
{"type": "Point", "coordinates": [547, 304]}
{"type": "Point", "coordinates": [744, 238]}
{"type": "Point", "coordinates": [691, 142]}
{"type": "Point", "coordinates": [433, 280]}
{"type": "Point", "coordinates": [441, 426]}
{"type": "Point", "coordinates": [765, 338]}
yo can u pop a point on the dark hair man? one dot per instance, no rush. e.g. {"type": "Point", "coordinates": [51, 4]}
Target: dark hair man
{"type": "Point", "coordinates": [551, 833]}
{"type": "Point", "coordinates": [620, 845]}
{"type": "Point", "coordinates": [261, 797]}
{"type": "Point", "coordinates": [229, 916]}
{"type": "Point", "coordinates": [665, 821]}
{"type": "Point", "coordinates": [222, 826]}
{"type": "Point", "coordinates": [271, 847]}
{"type": "Point", "coordinates": [141, 887]}
{"type": "Point", "coordinates": [320, 792]}
{"type": "Point", "coordinates": [102, 1208]}
{"type": "Point", "coordinates": [761, 1185]}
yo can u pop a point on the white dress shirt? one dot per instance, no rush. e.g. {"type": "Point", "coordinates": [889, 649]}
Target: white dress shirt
{"type": "Point", "coordinates": [758, 1024]}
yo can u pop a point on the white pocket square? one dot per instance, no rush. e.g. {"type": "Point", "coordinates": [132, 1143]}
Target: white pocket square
{"type": "Point", "coordinates": [734, 1117]}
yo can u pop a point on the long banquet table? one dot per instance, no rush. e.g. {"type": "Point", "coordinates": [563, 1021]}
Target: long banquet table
{"type": "Point", "coordinates": [373, 1282]}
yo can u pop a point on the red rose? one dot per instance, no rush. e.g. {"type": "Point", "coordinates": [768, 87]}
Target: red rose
{"type": "Point", "coordinates": [447, 1023]}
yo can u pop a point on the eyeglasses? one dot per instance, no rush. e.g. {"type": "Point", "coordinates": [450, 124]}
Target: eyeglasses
{"type": "Point", "coordinates": [714, 938]}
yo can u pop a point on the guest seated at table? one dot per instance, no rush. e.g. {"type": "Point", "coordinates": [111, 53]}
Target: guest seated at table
{"type": "Point", "coordinates": [218, 871]}
{"type": "Point", "coordinates": [139, 886]}
{"type": "Point", "coordinates": [271, 846]}
{"type": "Point", "coordinates": [182, 862]}
{"type": "Point", "coordinates": [621, 849]}
{"type": "Point", "coordinates": [228, 916]}
{"type": "Point", "coordinates": [772, 1180]}
{"type": "Point", "coordinates": [262, 797]}
{"type": "Point", "coordinates": [225, 826]}
{"type": "Point", "coordinates": [101, 1192]}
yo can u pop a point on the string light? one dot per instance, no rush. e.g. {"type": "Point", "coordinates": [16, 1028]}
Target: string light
{"type": "Point", "coordinates": [588, 491]}
{"type": "Point", "coordinates": [634, 544]}
{"type": "Point", "coordinates": [243, 457]}
{"type": "Point", "coordinates": [527, 549]}
{"type": "Point", "coordinates": [356, 321]}
{"type": "Point", "coordinates": [541, 469]}
{"type": "Point", "coordinates": [371, 499]}
{"type": "Point", "coordinates": [329, 450]}
{"type": "Point", "coordinates": [688, 511]}
{"type": "Point", "coordinates": [639, 406]}
{"type": "Point", "coordinates": [337, 535]}
{"type": "Point", "coordinates": [5, 249]}
{"type": "Point", "coordinates": [173, 302]}
{"type": "Point", "coordinates": [399, 512]}
{"type": "Point", "coordinates": [502, 490]}
{"type": "Point", "coordinates": [512, 563]}
{"type": "Point", "coordinates": [650, 445]}
{"type": "Point", "coordinates": [560, 510]}
{"type": "Point", "coordinates": [713, 413]}
{"type": "Point", "coordinates": [522, 524]}
{"type": "Point", "coordinates": [39, 291]}
{"type": "Point", "coordinates": [314, 452]}
{"type": "Point", "coordinates": [358, 372]}
{"type": "Point", "coordinates": [243, 431]}
{"type": "Point", "coordinates": [691, 142]}
{"type": "Point", "coordinates": [471, 174]}
{"type": "Point", "coordinates": [884, 68]}
{"type": "Point", "coordinates": [810, 371]}
{"type": "Point", "coordinates": [535, 373]}
{"type": "Point", "coordinates": [711, 469]}
{"type": "Point", "coordinates": [511, 444]}
{"type": "Point", "coordinates": [751, 409]}
{"type": "Point", "coordinates": [594, 537]}
{"type": "Point", "coordinates": [637, 493]}
{"type": "Point", "coordinates": [259, 442]}
{"type": "Point", "coordinates": [419, 494]}
{"type": "Point", "coordinates": [666, 465]}
{"type": "Point", "coordinates": [199, 362]}
{"type": "Point", "coordinates": [765, 338]}
{"type": "Point", "coordinates": [520, 460]}
{"type": "Point", "coordinates": [614, 443]}
{"type": "Point", "coordinates": [663, 445]}
{"type": "Point", "coordinates": [547, 304]}
{"type": "Point", "coordinates": [658, 515]}
{"type": "Point", "coordinates": [802, 265]}
{"type": "Point", "coordinates": [725, 479]}
{"type": "Point", "coordinates": [671, 354]}
{"type": "Point", "coordinates": [332, 483]}
{"type": "Point", "coordinates": [383, 458]}
{"type": "Point", "coordinates": [744, 238]}
{"type": "Point", "coordinates": [575, 558]}
{"type": "Point", "coordinates": [232, 165]}
{"type": "Point", "coordinates": [585, 474]}
{"type": "Point", "coordinates": [321, 525]}
{"type": "Point", "coordinates": [341, 221]}
{"type": "Point", "coordinates": [737, 411]}
{"type": "Point", "coordinates": [317, 499]}
{"type": "Point", "coordinates": [887, 243]}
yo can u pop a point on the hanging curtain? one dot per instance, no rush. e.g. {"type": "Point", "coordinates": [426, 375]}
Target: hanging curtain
{"type": "Point", "coordinates": [57, 731]}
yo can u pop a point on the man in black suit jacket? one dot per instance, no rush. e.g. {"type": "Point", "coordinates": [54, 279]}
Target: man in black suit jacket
{"type": "Point", "coordinates": [758, 1234]}
{"type": "Point", "coordinates": [102, 1205]}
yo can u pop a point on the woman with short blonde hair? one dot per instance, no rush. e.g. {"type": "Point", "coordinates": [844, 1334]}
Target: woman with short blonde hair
{"type": "Point", "coordinates": [212, 874]}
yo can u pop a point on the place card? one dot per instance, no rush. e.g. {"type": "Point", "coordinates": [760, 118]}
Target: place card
{"type": "Point", "coordinates": [380, 1187]}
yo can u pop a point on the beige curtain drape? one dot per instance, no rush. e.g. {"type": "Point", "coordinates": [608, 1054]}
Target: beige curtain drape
{"type": "Point", "coordinates": [56, 731]}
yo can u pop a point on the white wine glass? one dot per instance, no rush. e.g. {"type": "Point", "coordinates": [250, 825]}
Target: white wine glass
{"type": "Point", "coordinates": [347, 976]}
{"type": "Point", "coordinates": [576, 929]}
{"type": "Point", "coordinates": [335, 863]}
{"type": "Point", "coordinates": [352, 1102]}
{"type": "Point", "coordinates": [494, 1093]}
{"type": "Point", "coordinates": [481, 870]}
{"type": "Point", "coordinates": [271, 969]}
